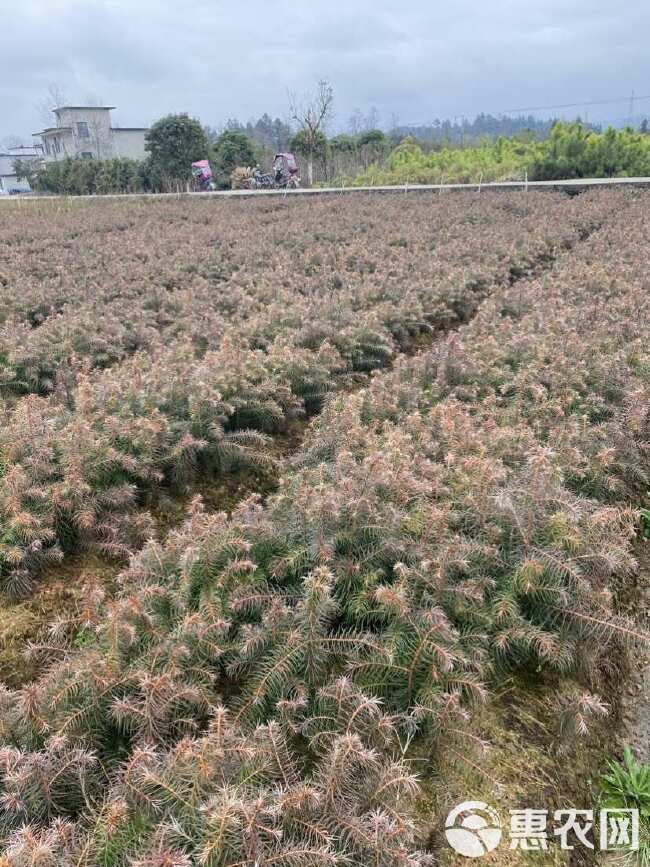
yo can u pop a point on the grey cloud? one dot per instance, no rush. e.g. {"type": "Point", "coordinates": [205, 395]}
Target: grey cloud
{"type": "Point", "coordinates": [418, 59]}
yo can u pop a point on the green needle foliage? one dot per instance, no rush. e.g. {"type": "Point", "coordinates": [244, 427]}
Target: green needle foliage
{"type": "Point", "coordinates": [627, 785]}
{"type": "Point", "coordinates": [253, 691]}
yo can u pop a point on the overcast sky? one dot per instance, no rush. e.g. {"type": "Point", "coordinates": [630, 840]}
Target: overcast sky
{"type": "Point", "coordinates": [418, 59]}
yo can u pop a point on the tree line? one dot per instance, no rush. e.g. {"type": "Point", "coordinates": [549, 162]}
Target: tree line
{"type": "Point", "coordinates": [571, 150]}
{"type": "Point", "coordinates": [369, 157]}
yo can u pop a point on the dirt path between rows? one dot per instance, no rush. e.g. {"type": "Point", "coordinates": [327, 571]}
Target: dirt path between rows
{"type": "Point", "coordinates": [22, 621]}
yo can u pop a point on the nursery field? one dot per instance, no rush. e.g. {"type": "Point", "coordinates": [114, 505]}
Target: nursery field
{"type": "Point", "coordinates": [304, 504]}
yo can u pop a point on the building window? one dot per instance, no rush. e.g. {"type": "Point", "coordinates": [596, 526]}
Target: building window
{"type": "Point", "coordinates": [82, 129]}
{"type": "Point", "coordinates": [86, 155]}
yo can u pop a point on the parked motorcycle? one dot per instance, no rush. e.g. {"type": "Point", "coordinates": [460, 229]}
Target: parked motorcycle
{"type": "Point", "coordinates": [284, 175]}
{"type": "Point", "coordinates": [260, 180]}
{"type": "Point", "coordinates": [285, 170]}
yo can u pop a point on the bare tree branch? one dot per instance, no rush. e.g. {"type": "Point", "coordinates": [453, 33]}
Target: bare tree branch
{"type": "Point", "coordinates": [312, 113]}
{"type": "Point", "coordinates": [53, 98]}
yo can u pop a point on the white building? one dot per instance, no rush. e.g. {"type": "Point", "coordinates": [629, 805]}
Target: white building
{"type": "Point", "coordinates": [86, 131]}
{"type": "Point", "coordinates": [9, 181]}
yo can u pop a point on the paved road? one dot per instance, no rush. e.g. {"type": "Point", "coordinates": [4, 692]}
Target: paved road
{"type": "Point", "coordinates": [578, 184]}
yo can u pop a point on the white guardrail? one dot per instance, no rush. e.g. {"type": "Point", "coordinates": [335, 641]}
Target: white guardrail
{"type": "Point", "coordinates": [572, 184]}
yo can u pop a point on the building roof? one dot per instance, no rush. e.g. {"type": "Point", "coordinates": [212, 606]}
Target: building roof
{"type": "Point", "coordinates": [53, 129]}
{"type": "Point", "coordinates": [85, 107]}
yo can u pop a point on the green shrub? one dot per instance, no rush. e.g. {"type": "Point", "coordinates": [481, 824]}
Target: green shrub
{"type": "Point", "coordinates": [232, 149]}
{"type": "Point", "coordinates": [627, 785]}
{"type": "Point", "coordinates": [570, 151]}
{"type": "Point", "coordinates": [173, 143]}
{"type": "Point", "coordinates": [80, 177]}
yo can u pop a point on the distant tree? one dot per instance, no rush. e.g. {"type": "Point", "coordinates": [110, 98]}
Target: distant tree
{"type": "Point", "coordinates": [11, 141]}
{"type": "Point", "coordinates": [526, 135]}
{"type": "Point", "coordinates": [312, 114]}
{"type": "Point", "coordinates": [470, 132]}
{"type": "Point", "coordinates": [359, 123]}
{"type": "Point", "coordinates": [372, 119]}
{"type": "Point", "coordinates": [643, 129]}
{"type": "Point", "coordinates": [231, 149]}
{"type": "Point", "coordinates": [372, 145]}
{"type": "Point", "coordinates": [26, 170]}
{"type": "Point", "coordinates": [343, 143]}
{"type": "Point", "coordinates": [342, 156]}
{"type": "Point", "coordinates": [273, 134]}
{"type": "Point", "coordinates": [211, 134]}
{"type": "Point", "coordinates": [174, 142]}
{"type": "Point", "coordinates": [54, 97]}
{"type": "Point", "coordinates": [100, 138]}
{"type": "Point", "coordinates": [313, 146]}
{"type": "Point", "coordinates": [374, 137]}
{"type": "Point", "coordinates": [356, 122]}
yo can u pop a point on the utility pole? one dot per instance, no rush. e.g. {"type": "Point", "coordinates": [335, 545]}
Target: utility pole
{"type": "Point", "coordinates": [632, 109]}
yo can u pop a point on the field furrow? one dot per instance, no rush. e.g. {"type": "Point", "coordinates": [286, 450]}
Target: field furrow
{"type": "Point", "coordinates": [289, 673]}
